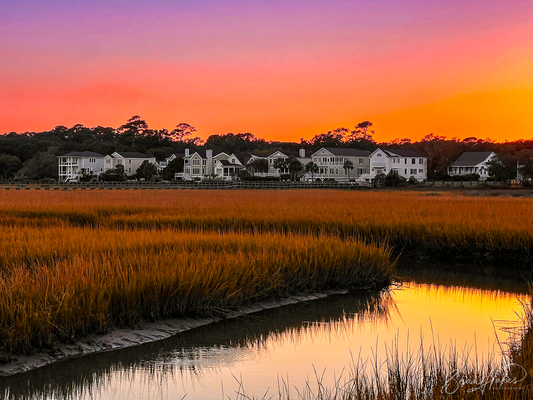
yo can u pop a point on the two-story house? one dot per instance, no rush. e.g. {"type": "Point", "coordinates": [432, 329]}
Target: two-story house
{"type": "Point", "coordinates": [331, 163]}
{"type": "Point", "coordinates": [406, 162]}
{"type": "Point", "coordinates": [130, 160]}
{"type": "Point", "coordinates": [284, 155]}
{"type": "Point", "coordinates": [72, 164]}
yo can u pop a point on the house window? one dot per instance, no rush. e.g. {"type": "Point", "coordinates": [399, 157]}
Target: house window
{"type": "Point", "coordinates": [420, 171]}
{"type": "Point", "coordinates": [203, 171]}
{"type": "Point", "coordinates": [204, 162]}
{"type": "Point", "coordinates": [378, 155]}
{"type": "Point", "coordinates": [129, 161]}
{"type": "Point", "coordinates": [119, 161]}
{"type": "Point", "coordinates": [361, 161]}
{"type": "Point", "coordinates": [413, 171]}
{"type": "Point", "coordinates": [129, 170]}
{"type": "Point", "coordinates": [186, 162]}
{"type": "Point", "coordinates": [195, 162]}
{"type": "Point", "coordinates": [406, 171]}
{"type": "Point", "coordinates": [196, 171]}
{"type": "Point", "coordinates": [405, 162]}
{"type": "Point", "coordinates": [413, 161]}
{"type": "Point", "coordinates": [421, 161]}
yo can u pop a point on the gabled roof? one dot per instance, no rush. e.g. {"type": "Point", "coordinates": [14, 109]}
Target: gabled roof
{"type": "Point", "coordinates": [471, 158]}
{"type": "Point", "coordinates": [286, 153]}
{"type": "Point", "coordinates": [347, 152]}
{"type": "Point", "coordinates": [402, 153]}
{"type": "Point", "coordinates": [203, 153]}
{"type": "Point", "coordinates": [85, 154]}
{"type": "Point", "coordinates": [242, 157]}
{"type": "Point", "coordinates": [226, 163]}
{"type": "Point", "coordinates": [132, 154]}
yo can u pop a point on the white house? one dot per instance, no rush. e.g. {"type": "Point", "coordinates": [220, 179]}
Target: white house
{"type": "Point", "coordinates": [161, 165]}
{"type": "Point", "coordinates": [406, 162]}
{"type": "Point", "coordinates": [472, 162]}
{"type": "Point", "coordinates": [330, 162]}
{"type": "Point", "coordinates": [300, 156]}
{"type": "Point", "coordinates": [130, 160]}
{"type": "Point", "coordinates": [72, 164]}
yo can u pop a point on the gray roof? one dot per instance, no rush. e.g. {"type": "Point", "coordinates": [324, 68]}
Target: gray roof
{"type": "Point", "coordinates": [347, 152]}
{"type": "Point", "coordinates": [471, 158]}
{"type": "Point", "coordinates": [402, 153]}
{"type": "Point", "coordinates": [203, 153]}
{"type": "Point", "coordinates": [91, 154]}
{"type": "Point", "coordinates": [226, 163]}
{"type": "Point", "coordinates": [132, 154]}
{"type": "Point", "coordinates": [243, 157]}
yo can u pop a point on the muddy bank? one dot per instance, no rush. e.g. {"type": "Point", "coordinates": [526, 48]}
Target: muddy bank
{"type": "Point", "coordinates": [150, 332]}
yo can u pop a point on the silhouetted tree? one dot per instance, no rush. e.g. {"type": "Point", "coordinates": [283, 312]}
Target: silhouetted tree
{"type": "Point", "coordinates": [311, 168]}
{"type": "Point", "coordinates": [348, 165]}
{"type": "Point", "coordinates": [9, 165]}
{"type": "Point", "coordinates": [146, 171]}
{"type": "Point", "coordinates": [294, 166]}
{"type": "Point", "coordinates": [172, 168]}
{"type": "Point", "coordinates": [132, 129]}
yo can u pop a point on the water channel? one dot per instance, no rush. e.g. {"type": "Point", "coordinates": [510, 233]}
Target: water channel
{"type": "Point", "coordinates": [287, 347]}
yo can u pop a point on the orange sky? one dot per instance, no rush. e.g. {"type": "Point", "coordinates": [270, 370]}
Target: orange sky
{"type": "Point", "coordinates": [281, 71]}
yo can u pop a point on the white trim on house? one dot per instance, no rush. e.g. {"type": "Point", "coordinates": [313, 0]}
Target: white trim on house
{"type": "Point", "coordinates": [72, 164]}
{"type": "Point", "coordinates": [407, 163]}
{"type": "Point", "coordinates": [330, 162]}
{"type": "Point", "coordinates": [471, 162]}
{"type": "Point", "coordinates": [130, 160]}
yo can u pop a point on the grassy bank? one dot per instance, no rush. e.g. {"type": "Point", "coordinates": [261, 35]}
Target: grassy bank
{"type": "Point", "coordinates": [59, 284]}
{"type": "Point", "coordinates": [447, 226]}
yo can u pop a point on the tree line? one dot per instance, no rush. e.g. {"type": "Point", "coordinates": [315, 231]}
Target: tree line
{"type": "Point", "coordinates": [33, 155]}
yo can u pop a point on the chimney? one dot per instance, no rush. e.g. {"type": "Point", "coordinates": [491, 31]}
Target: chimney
{"type": "Point", "coordinates": [209, 156]}
{"type": "Point", "coordinates": [186, 152]}
{"type": "Point", "coordinates": [302, 153]}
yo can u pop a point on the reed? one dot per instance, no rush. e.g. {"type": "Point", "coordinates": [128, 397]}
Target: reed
{"type": "Point", "coordinates": [59, 284]}
{"type": "Point", "coordinates": [450, 226]}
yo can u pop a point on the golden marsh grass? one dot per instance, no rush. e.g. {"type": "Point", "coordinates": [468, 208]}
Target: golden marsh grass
{"type": "Point", "coordinates": [61, 283]}
{"type": "Point", "coordinates": [480, 229]}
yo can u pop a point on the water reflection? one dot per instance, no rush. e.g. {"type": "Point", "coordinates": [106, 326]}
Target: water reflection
{"type": "Point", "coordinates": [291, 343]}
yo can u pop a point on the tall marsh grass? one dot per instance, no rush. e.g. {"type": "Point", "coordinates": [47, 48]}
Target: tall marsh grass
{"type": "Point", "coordinates": [444, 227]}
{"type": "Point", "coordinates": [72, 263]}
{"type": "Point", "coordinates": [59, 284]}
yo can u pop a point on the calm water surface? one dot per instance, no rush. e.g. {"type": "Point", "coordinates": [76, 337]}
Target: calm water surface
{"type": "Point", "coordinates": [287, 346]}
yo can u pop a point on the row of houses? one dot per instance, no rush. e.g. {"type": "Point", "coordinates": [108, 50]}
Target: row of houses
{"type": "Point", "coordinates": [330, 163]}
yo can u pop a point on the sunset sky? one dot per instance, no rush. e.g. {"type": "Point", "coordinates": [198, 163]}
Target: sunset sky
{"type": "Point", "coordinates": [283, 70]}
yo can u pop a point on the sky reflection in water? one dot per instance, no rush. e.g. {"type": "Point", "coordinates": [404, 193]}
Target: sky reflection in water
{"type": "Point", "coordinates": [285, 346]}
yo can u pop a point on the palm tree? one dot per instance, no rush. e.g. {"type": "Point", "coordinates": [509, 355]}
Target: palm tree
{"type": "Point", "coordinates": [280, 164]}
{"type": "Point", "coordinates": [312, 168]}
{"type": "Point", "coordinates": [348, 165]}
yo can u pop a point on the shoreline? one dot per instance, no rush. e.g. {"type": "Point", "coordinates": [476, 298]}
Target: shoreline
{"type": "Point", "coordinates": [150, 332]}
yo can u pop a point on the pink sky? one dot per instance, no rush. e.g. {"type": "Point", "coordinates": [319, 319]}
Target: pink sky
{"type": "Point", "coordinates": [281, 70]}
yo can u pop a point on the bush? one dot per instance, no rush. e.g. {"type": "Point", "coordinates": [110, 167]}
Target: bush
{"type": "Point", "coordinates": [392, 179]}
